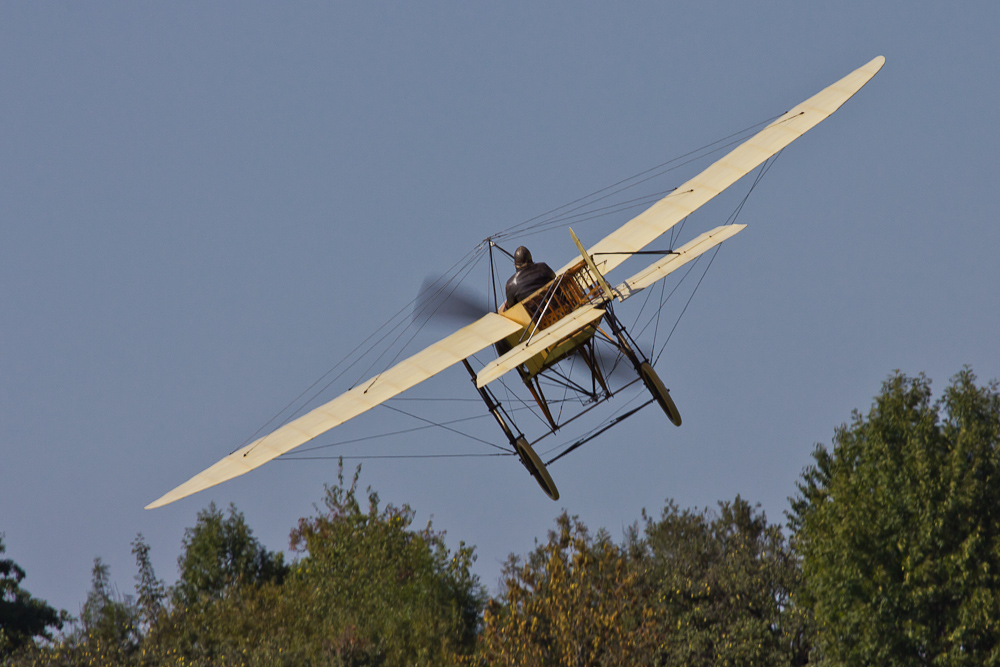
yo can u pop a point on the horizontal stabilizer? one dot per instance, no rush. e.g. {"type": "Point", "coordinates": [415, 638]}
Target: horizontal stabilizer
{"type": "Point", "coordinates": [465, 342]}
{"type": "Point", "coordinates": [676, 260]}
{"type": "Point", "coordinates": [541, 340]}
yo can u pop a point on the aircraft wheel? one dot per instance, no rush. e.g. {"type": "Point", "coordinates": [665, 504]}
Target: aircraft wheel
{"type": "Point", "coordinates": [537, 469]}
{"type": "Point", "coordinates": [659, 392]}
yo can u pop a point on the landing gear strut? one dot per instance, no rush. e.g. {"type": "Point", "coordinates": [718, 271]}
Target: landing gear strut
{"type": "Point", "coordinates": [644, 369]}
{"type": "Point", "coordinates": [529, 459]}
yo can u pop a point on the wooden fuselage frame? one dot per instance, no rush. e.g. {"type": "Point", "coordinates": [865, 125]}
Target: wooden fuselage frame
{"type": "Point", "coordinates": [567, 292]}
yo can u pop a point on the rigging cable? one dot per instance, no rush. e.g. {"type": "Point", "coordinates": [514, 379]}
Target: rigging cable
{"type": "Point", "coordinates": [732, 219]}
{"type": "Point", "coordinates": [370, 346]}
{"type": "Point", "coordinates": [615, 188]}
{"type": "Point", "coordinates": [545, 221]}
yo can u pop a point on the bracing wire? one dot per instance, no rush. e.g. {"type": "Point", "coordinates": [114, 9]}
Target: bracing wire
{"type": "Point", "coordinates": [557, 214]}
{"type": "Point", "coordinates": [397, 332]}
{"type": "Point", "coordinates": [606, 423]}
{"type": "Point", "coordinates": [400, 319]}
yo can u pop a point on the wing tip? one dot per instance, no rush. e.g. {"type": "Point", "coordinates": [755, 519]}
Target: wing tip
{"type": "Point", "coordinates": [159, 502]}
{"type": "Point", "coordinates": [169, 497]}
{"type": "Point", "coordinates": [875, 64]}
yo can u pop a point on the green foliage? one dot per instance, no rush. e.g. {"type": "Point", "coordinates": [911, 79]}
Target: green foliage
{"type": "Point", "coordinates": [109, 620]}
{"type": "Point", "coordinates": [899, 529]}
{"type": "Point", "coordinates": [247, 626]}
{"type": "Point", "coordinates": [22, 617]}
{"type": "Point", "coordinates": [722, 584]}
{"type": "Point", "coordinates": [693, 589]}
{"type": "Point", "coordinates": [575, 600]}
{"type": "Point", "coordinates": [108, 631]}
{"type": "Point", "coordinates": [150, 591]}
{"type": "Point", "coordinates": [375, 591]}
{"type": "Point", "coordinates": [896, 562]}
{"type": "Point", "coordinates": [219, 554]}
{"type": "Point", "coordinates": [367, 589]}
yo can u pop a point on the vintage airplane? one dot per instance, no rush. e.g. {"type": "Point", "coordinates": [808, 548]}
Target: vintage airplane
{"type": "Point", "coordinates": [559, 321]}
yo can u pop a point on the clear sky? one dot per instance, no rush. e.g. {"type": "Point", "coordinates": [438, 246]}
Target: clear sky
{"type": "Point", "coordinates": [204, 206]}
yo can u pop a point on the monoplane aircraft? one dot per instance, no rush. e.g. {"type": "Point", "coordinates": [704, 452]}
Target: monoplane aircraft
{"type": "Point", "coordinates": [559, 323]}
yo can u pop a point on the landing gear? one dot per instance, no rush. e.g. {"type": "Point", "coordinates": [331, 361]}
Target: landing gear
{"type": "Point", "coordinates": [529, 459]}
{"type": "Point", "coordinates": [659, 392]}
{"type": "Point", "coordinates": [535, 466]}
{"type": "Point", "coordinates": [626, 345]}
{"type": "Point", "coordinates": [645, 370]}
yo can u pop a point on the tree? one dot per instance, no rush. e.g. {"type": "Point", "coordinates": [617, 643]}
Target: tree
{"type": "Point", "coordinates": [372, 590]}
{"type": "Point", "coordinates": [110, 620]}
{"type": "Point", "coordinates": [219, 553]}
{"type": "Point", "coordinates": [366, 589]}
{"type": "Point", "coordinates": [693, 588]}
{"type": "Point", "coordinates": [22, 617]}
{"type": "Point", "coordinates": [898, 528]}
{"type": "Point", "coordinates": [150, 591]}
{"type": "Point", "coordinates": [722, 584]}
{"type": "Point", "coordinates": [575, 600]}
{"type": "Point", "coordinates": [110, 629]}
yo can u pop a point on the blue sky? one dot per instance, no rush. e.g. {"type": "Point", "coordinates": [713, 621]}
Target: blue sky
{"type": "Point", "coordinates": [204, 207]}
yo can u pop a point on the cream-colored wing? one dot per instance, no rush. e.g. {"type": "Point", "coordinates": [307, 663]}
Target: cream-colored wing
{"type": "Point", "coordinates": [661, 216]}
{"type": "Point", "coordinates": [432, 360]}
{"type": "Point", "coordinates": [541, 340]}
{"type": "Point", "coordinates": [676, 260]}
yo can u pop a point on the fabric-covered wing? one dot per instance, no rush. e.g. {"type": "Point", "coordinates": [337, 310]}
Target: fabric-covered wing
{"type": "Point", "coordinates": [432, 360]}
{"type": "Point", "coordinates": [672, 262]}
{"type": "Point", "coordinates": [564, 328]}
{"type": "Point", "coordinates": [661, 216]}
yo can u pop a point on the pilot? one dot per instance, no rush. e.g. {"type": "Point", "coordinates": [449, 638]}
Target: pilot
{"type": "Point", "coordinates": [528, 277]}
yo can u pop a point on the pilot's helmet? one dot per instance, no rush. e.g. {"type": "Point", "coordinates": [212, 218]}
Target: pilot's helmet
{"type": "Point", "coordinates": [522, 257]}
